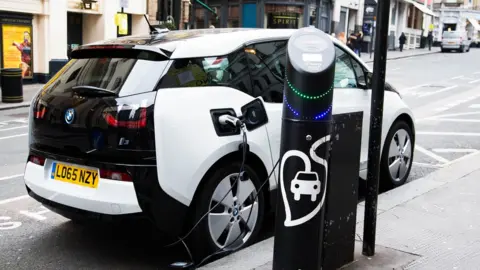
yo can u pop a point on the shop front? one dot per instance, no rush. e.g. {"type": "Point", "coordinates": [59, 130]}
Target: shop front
{"type": "Point", "coordinates": [261, 14]}
{"type": "Point", "coordinates": [17, 42]}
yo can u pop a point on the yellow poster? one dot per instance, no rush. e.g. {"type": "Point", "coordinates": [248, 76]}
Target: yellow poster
{"type": "Point", "coordinates": [17, 48]}
{"type": "Point", "coordinates": [121, 19]}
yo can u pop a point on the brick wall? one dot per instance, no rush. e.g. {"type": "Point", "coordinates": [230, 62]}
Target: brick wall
{"type": "Point", "coordinates": [152, 11]}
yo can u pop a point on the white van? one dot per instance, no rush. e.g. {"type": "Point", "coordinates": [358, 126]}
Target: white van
{"type": "Point", "coordinates": [455, 40]}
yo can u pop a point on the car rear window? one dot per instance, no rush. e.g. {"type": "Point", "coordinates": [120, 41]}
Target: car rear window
{"type": "Point", "coordinates": [452, 34]}
{"type": "Point", "coordinates": [122, 73]}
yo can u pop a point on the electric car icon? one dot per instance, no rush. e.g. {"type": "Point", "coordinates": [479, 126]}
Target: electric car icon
{"type": "Point", "coordinates": [305, 183]}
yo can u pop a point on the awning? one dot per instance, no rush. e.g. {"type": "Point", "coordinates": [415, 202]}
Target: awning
{"type": "Point", "coordinates": [474, 23]}
{"type": "Point", "coordinates": [421, 7]}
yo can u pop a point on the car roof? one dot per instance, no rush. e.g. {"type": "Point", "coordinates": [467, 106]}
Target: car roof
{"type": "Point", "coordinates": [204, 42]}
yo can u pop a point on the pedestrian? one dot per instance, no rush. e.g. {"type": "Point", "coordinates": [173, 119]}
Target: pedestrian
{"type": "Point", "coordinates": [402, 40]}
{"type": "Point", "coordinates": [352, 41]}
{"type": "Point", "coordinates": [430, 40]}
{"type": "Point", "coordinates": [359, 43]}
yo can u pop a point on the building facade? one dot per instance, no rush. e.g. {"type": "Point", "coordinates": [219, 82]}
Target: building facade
{"type": "Point", "coordinates": [413, 18]}
{"type": "Point", "coordinates": [261, 13]}
{"type": "Point", "coordinates": [38, 35]}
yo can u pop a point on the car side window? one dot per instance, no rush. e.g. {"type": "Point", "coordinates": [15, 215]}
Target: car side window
{"type": "Point", "coordinates": [230, 70]}
{"type": "Point", "coordinates": [267, 68]}
{"type": "Point", "coordinates": [360, 73]}
{"type": "Point", "coordinates": [344, 71]}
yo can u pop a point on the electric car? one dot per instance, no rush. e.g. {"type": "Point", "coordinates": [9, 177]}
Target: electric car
{"type": "Point", "coordinates": [130, 127]}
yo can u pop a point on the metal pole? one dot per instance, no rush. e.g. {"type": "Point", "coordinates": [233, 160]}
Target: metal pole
{"type": "Point", "coordinates": [305, 140]}
{"type": "Point", "coordinates": [376, 117]}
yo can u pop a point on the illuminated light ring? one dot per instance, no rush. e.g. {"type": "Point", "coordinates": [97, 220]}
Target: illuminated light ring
{"type": "Point", "coordinates": [315, 117]}
{"type": "Point", "coordinates": [302, 95]}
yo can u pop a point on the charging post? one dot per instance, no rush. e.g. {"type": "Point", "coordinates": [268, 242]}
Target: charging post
{"type": "Point", "coordinates": [305, 143]}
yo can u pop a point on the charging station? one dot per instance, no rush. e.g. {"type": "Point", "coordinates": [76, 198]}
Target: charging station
{"type": "Point", "coordinates": [305, 140]}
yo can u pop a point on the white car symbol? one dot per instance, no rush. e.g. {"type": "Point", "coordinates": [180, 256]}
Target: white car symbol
{"type": "Point", "coordinates": [305, 183]}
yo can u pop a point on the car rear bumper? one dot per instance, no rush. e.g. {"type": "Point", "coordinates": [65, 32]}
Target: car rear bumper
{"type": "Point", "coordinates": [110, 198]}
{"type": "Point", "coordinates": [450, 46]}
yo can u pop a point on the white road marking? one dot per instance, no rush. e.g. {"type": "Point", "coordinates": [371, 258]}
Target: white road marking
{"type": "Point", "coordinates": [431, 154]}
{"type": "Point", "coordinates": [414, 87]}
{"type": "Point", "coordinates": [10, 177]}
{"type": "Point", "coordinates": [427, 165]}
{"type": "Point", "coordinates": [13, 136]}
{"type": "Point", "coordinates": [14, 199]}
{"type": "Point", "coordinates": [7, 129]}
{"type": "Point", "coordinates": [439, 91]}
{"type": "Point", "coordinates": [474, 81]}
{"type": "Point", "coordinates": [457, 77]}
{"type": "Point", "coordinates": [442, 133]}
{"type": "Point", "coordinates": [474, 106]}
{"type": "Point", "coordinates": [454, 150]}
{"type": "Point", "coordinates": [36, 215]}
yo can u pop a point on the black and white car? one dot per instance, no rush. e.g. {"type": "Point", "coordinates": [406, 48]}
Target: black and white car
{"type": "Point", "coordinates": [125, 129]}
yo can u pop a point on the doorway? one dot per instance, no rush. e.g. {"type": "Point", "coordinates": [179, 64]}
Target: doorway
{"type": "Point", "coordinates": [74, 31]}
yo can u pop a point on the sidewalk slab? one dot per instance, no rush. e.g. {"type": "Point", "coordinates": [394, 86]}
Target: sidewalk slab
{"type": "Point", "coordinates": [431, 223]}
{"type": "Point", "coordinates": [29, 91]}
{"type": "Point", "coordinates": [392, 55]}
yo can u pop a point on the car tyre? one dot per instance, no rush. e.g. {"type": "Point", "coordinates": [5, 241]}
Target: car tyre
{"type": "Point", "coordinates": [397, 156]}
{"type": "Point", "coordinates": [231, 215]}
{"type": "Point", "coordinates": [443, 50]}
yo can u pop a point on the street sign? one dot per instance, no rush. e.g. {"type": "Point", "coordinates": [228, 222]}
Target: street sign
{"type": "Point", "coordinates": [123, 3]}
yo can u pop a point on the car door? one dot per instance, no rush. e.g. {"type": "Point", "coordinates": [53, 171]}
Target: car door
{"type": "Point", "coordinates": [267, 70]}
{"type": "Point", "coordinates": [352, 93]}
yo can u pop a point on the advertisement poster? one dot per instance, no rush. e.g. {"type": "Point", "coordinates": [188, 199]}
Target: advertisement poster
{"type": "Point", "coordinates": [17, 48]}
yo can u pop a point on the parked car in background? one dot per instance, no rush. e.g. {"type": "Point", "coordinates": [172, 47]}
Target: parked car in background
{"type": "Point", "coordinates": [455, 40]}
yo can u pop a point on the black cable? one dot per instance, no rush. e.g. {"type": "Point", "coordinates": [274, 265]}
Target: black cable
{"type": "Point", "coordinates": [224, 249]}
{"type": "Point", "coordinates": [242, 167]}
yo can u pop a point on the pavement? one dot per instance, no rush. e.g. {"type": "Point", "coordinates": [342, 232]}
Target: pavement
{"type": "Point", "coordinates": [432, 223]}
{"type": "Point", "coordinates": [397, 54]}
{"type": "Point", "coordinates": [442, 90]}
{"type": "Point", "coordinates": [29, 91]}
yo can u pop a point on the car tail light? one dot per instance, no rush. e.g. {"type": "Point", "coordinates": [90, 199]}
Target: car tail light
{"type": "Point", "coordinates": [126, 117]}
{"type": "Point", "coordinates": [115, 175]}
{"type": "Point", "coordinates": [37, 160]}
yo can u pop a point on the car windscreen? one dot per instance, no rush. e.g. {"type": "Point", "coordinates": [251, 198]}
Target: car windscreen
{"type": "Point", "coordinates": [120, 73]}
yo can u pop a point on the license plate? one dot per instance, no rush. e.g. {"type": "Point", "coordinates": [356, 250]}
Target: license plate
{"type": "Point", "coordinates": [451, 42]}
{"type": "Point", "coordinates": [75, 175]}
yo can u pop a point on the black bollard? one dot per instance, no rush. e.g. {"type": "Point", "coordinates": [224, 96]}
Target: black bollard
{"type": "Point", "coordinates": [306, 128]}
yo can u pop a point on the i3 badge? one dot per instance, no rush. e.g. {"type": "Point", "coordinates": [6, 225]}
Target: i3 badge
{"type": "Point", "coordinates": [69, 116]}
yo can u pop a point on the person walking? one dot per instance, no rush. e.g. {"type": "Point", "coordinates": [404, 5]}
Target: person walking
{"type": "Point", "coordinates": [359, 43]}
{"type": "Point", "coordinates": [430, 40]}
{"type": "Point", "coordinates": [352, 41]}
{"type": "Point", "coordinates": [402, 40]}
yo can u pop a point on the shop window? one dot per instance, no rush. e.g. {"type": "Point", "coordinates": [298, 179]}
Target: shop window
{"type": "Point", "coordinates": [283, 16]}
{"type": "Point", "coordinates": [267, 65]}
{"type": "Point", "coordinates": [230, 70]}
{"type": "Point", "coordinates": [233, 17]}
{"type": "Point", "coordinates": [312, 12]}
{"type": "Point", "coordinates": [344, 72]}
{"type": "Point", "coordinates": [199, 22]}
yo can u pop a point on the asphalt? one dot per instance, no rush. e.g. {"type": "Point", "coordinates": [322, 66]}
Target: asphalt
{"type": "Point", "coordinates": [446, 131]}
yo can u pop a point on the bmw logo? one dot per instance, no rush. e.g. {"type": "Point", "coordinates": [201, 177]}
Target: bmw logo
{"type": "Point", "coordinates": [69, 116]}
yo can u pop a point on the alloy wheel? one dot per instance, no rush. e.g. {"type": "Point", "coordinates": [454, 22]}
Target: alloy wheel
{"type": "Point", "coordinates": [232, 222]}
{"type": "Point", "coordinates": [399, 155]}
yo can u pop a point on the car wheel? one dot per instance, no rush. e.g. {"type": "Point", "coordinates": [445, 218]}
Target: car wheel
{"type": "Point", "coordinates": [226, 227]}
{"type": "Point", "coordinates": [397, 156]}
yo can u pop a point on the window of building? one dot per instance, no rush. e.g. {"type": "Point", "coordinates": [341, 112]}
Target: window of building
{"type": "Point", "coordinates": [230, 70]}
{"type": "Point", "coordinates": [312, 12]}
{"type": "Point", "coordinates": [324, 10]}
{"type": "Point", "coordinates": [267, 65]}
{"type": "Point", "coordinates": [283, 16]}
{"type": "Point", "coordinates": [233, 16]}
{"type": "Point", "coordinates": [345, 76]}
{"type": "Point", "coordinates": [199, 21]}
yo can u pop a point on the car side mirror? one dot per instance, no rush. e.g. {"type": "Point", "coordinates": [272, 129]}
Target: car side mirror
{"type": "Point", "coordinates": [254, 114]}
